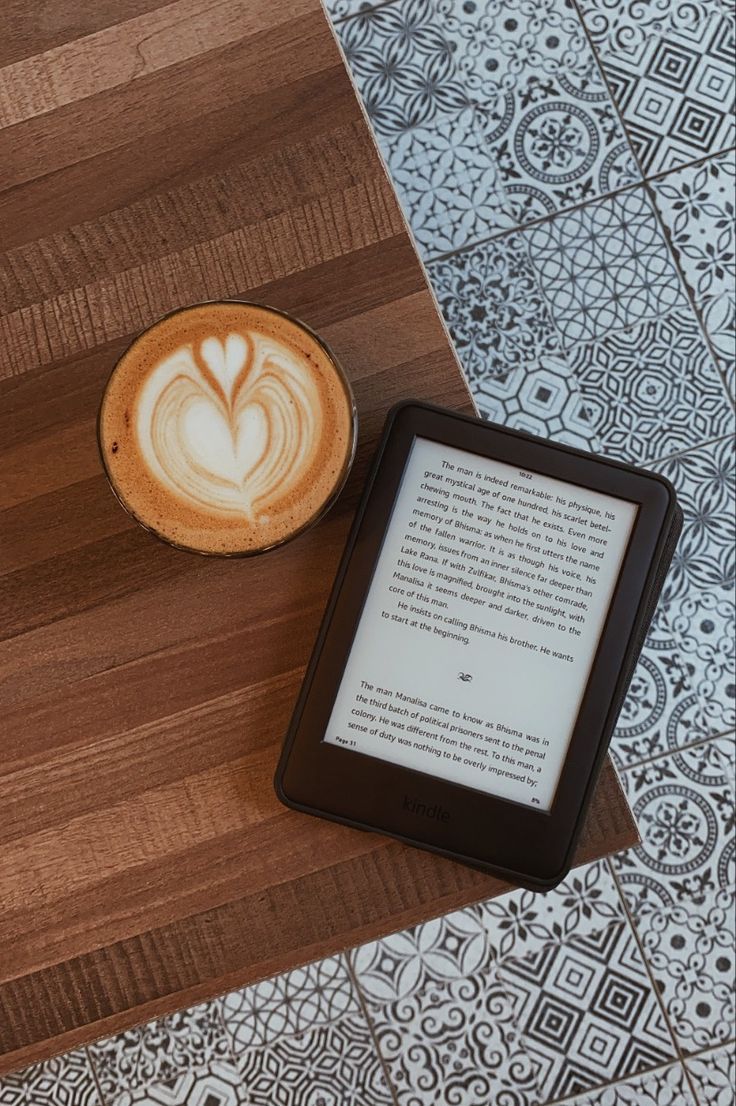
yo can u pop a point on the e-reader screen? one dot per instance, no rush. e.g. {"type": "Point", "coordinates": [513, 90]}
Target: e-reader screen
{"type": "Point", "coordinates": [481, 623]}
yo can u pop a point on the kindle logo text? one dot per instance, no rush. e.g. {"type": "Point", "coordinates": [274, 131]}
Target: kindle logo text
{"type": "Point", "coordinates": [434, 811]}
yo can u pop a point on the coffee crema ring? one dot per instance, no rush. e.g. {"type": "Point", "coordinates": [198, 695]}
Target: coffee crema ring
{"type": "Point", "coordinates": [227, 428]}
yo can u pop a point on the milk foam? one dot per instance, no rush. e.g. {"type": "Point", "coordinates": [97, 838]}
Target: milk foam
{"type": "Point", "coordinates": [226, 427]}
{"type": "Point", "coordinates": [229, 426]}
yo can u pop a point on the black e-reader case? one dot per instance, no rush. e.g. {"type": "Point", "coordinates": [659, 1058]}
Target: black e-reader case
{"type": "Point", "coordinates": [530, 847]}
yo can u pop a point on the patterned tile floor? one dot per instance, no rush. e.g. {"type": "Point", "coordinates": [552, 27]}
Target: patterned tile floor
{"type": "Point", "coordinates": [568, 173]}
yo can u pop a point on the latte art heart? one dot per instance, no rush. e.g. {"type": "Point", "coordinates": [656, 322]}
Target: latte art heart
{"type": "Point", "coordinates": [227, 427]}
{"type": "Point", "coordinates": [230, 426]}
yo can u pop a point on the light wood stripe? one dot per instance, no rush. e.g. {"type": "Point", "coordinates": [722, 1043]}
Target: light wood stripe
{"type": "Point", "coordinates": [131, 50]}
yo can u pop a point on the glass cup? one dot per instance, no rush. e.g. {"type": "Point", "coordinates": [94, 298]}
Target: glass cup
{"type": "Point", "coordinates": [134, 483]}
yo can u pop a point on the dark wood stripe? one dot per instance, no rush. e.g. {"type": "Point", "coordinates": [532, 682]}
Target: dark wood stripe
{"type": "Point", "coordinates": [52, 23]}
{"type": "Point", "coordinates": [99, 183]}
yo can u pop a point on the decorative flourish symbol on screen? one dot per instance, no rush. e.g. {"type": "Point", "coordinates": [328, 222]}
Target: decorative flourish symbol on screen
{"type": "Point", "coordinates": [466, 677]}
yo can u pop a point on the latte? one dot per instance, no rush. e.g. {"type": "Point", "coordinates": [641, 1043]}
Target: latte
{"type": "Point", "coordinates": [226, 428]}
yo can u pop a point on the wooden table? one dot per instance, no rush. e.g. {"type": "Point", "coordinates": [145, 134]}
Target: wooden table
{"type": "Point", "coordinates": [151, 156]}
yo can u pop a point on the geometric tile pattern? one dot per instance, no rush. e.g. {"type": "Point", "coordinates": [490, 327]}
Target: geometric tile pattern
{"type": "Point", "coordinates": [623, 26]}
{"type": "Point", "coordinates": [288, 1004]}
{"type": "Point", "coordinates": [557, 142]}
{"type": "Point", "coordinates": [341, 9]}
{"type": "Point", "coordinates": [488, 115]}
{"type": "Point", "coordinates": [402, 65]}
{"type": "Point", "coordinates": [586, 1011]}
{"type": "Point", "coordinates": [713, 1075]}
{"type": "Point", "coordinates": [493, 306]}
{"type": "Point", "coordinates": [217, 1084]}
{"type": "Point", "coordinates": [719, 323]}
{"type": "Point", "coordinates": [64, 1081]}
{"type": "Point", "coordinates": [702, 624]}
{"type": "Point", "coordinates": [498, 46]}
{"type": "Point", "coordinates": [431, 954]}
{"type": "Point", "coordinates": [539, 399]}
{"type": "Point", "coordinates": [333, 1065]}
{"type": "Point", "coordinates": [456, 1043]}
{"type": "Point", "coordinates": [705, 480]}
{"type": "Point", "coordinates": [159, 1051]}
{"type": "Point", "coordinates": [448, 182]}
{"type": "Point", "coordinates": [684, 804]}
{"type": "Point", "coordinates": [697, 207]}
{"type": "Point", "coordinates": [690, 948]}
{"type": "Point", "coordinates": [663, 1087]}
{"type": "Point", "coordinates": [653, 389]}
{"type": "Point", "coordinates": [676, 93]}
{"type": "Point", "coordinates": [462, 944]}
{"type": "Point", "coordinates": [604, 267]}
{"type": "Point", "coordinates": [683, 687]}
{"type": "Point", "coordinates": [521, 922]}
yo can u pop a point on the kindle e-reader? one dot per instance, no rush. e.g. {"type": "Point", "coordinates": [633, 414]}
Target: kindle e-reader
{"type": "Point", "coordinates": [486, 617]}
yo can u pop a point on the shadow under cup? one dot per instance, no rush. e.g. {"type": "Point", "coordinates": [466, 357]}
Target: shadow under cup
{"type": "Point", "coordinates": [227, 428]}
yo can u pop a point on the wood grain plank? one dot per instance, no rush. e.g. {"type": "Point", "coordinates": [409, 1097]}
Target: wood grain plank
{"type": "Point", "coordinates": [304, 106]}
{"type": "Point", "coordinates": [54, 23]}
{"type": "Point", "coordinates": [152, 155]}
{"type": "Point", "coordinates": [386, 880]}
{"type": "Point", "coordinates": [130, 50]}
{"type": "Point", "coordinates": [256, 189]}
{"type": "Point", "coordinates": [81, 318]}
{"type": "Point", "coordinates": [153, 104]}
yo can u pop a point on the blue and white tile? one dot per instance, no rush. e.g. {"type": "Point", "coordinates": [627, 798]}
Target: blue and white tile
{"type": "Point", "coordinates": [684, 805]}
{"type": "Point", "coordinates": [719, 323]}
{"type": "Point", "coordinates": [64, 1081]}
{"type": "Point", "coordinates": [159, 1051]}
{"type": "Point", "coordinates": [705, 480]}
{"type": "Point", "coordinates": [697, 206]}
{"type": "Point", "coordinates": [403, 65]}
{"type": "Point", "coordinates": [434, 953]}
{"type": "Point", "coordinates": [448, 183]}
{"type": "Point", "coordinates": [700, 626]}
{"type": "Point", "coordinates": [295, 1002]}
{"type": "Point", "coordinates": [675, 92]}
{"type": "Point", "coordinates": [726, 745]}
{"type": "Point", "coordinates": [682, 690]}
{"type": "Point", "coordinates": [542, 398]}
{"type": "Point", "coordinates": [604, 267]}
{"type": "Point", "coordinates": [690, 948]}
{"type": "Point", "coordinates": [666, 1086]}
{"type": "Point", "coordinates": [343, 9]}
{"type": "Point", "coordinates": [216, 1084]}
{"type": "Point", "coordinates": [653, 389]}
{"type": "Point", "coordinates": [557, 144]}
{"type": "Point", "coordinates": [498, 44]}
{"type": "Point", "coordinates": [621, 27]}
{"type": "Point", "coordinates": [330, 1065]}
{"type": "Point", "coordinates": [456, 1043]}
{"type": "Point", "coordinates": [469, 941]}
{"type": "Point", "coordinates": [493, 306]}
{"type": "Point", "coordinates": [587, 1013]}
{"type": "Point", "coordinates": [549, 121]}
{"type": "Point", "coordinates": [585, 903]}
{"type": "Point", "coordinates": [659, 683]}
{"type": "Point", "coordinates": [713, 1075]}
